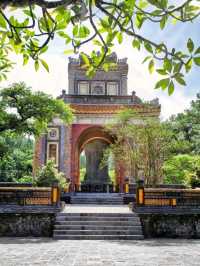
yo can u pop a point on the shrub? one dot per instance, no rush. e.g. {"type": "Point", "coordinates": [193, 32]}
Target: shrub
{"type": "Point", "coordinates": [49, 175]}
{"type": "Point", "coordinates": [25, 179]}
{"type": "Point", "coordinates": [180, 168]}
{"type": "Point", "coordinates": [195, 178]}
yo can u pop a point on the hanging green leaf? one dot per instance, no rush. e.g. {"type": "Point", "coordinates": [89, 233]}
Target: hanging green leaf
{"type": "Point", "coordinates": [139, 20]}
{"type": "Point", "coordinates": [45, 65]}
{"type": "Point", "coordinates": [146, 59]}
{"type": "Point", "coordinates": [163, 84]}
{"type": "Point", "coordinates": [197, 50]}
{"type": "Point", "coordinates": [171, 88]}
{"type": "Point", "coordinates": [2, 22]}
{"type": "Point", "coordinates": [151, 66]}
{"type": "Point", "coordinates": [163, 22]}
{"type": "Point", "coordinates": [148, 47]}
{"type": "Point", "coordinates": [179, 79]}
{"type": "Point", "coordinates": [36, 64]}
{"type": "Point", "coordinates": [197, 61]}
{"type": "Point", "coordinates": [85, 59]}
{"type": "Point", "coordinates": [162, 72]}
{"type": "Point", "coordinates": [136, 44]}
{"type": "Point", "coordinates": [83, 32]}
{"type": "Point", "coordinates": [25, 59]}
{"type": "Point", "coordinates": [188, 65]}
{"type": "Point", "coordinates": [75, 30]}
{"type": "Point", "coordinates": [167, 65]}
{"type": "Point", "coordinates": [119, 37]}
{"type": "Point", "coordinates": [70, 51]}
{"type": "Point", "coordinates": [190, 45]}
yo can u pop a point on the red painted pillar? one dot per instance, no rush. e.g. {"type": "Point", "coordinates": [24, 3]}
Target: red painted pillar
{"type": "Point", "coordinates": [120, 172]}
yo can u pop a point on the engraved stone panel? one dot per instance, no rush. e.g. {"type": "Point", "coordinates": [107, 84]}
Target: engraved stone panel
{"type": "Point", "coordinates": [112, 88]}
{"type": "Point", "coordinates": [83, 87]}
{"type": "Point", "coordinates": [98, 88]}
{"type": "Point", "coordinates": [53, 133]}
{"type": "Point", "coordinates": [52, 152]}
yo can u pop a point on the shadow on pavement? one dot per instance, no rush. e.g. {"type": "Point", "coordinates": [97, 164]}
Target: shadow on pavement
{"type": "Point", "coordinates": [25, 240]}
{"type": "Point", "coordinates": [164, 242]}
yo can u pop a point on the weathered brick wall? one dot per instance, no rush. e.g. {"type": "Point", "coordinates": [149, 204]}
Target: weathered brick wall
{"type": "Point", "coordinates": [21, 225]}
{"type": "Point", "coordinates": [171, 225]}
{"type": "Point", "coordinates": [65, 150]}
{"type": "Point", "coordinates": [39, 153]}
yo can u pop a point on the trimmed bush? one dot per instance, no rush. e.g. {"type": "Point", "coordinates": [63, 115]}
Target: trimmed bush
{"type": "Point", "coordinates": [49, 175]}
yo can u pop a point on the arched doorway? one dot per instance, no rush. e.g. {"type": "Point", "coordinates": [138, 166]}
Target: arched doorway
{"type": "Point", "coordinates": [88, 148]}
{"type": "Point", "coordinates": [95, 172]}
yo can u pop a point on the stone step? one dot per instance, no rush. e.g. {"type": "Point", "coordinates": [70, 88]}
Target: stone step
{"type": "Point", "coordinates": [96, 218]}
{"type": "Point", "coordinates": [97, 227]}
{"type": "Point", "coordinates": [97, 232]}
{"type": "Point", "coordinates": [99, 203]}
{"type": "Point", "coordinates": [110, 223]}
{"type": "Point", "coordinates": [93, 194]}
{"type": "Point", "coordinates": [117, 200]}
{"type": "Point", "coordinates": [99, 223]}
{"type": "Point", "coordinates": [93, 198]}
{"type": "Point", "coordinates": [122, 215]}
{"type": "Point", "coordinates": [95, 203]}
{"type": "Point", "coordinates": [97, 197]}
{"type": "Point", "coordinates": [97, 200]}
{"type": "Point", "coordinates": [98, 237]}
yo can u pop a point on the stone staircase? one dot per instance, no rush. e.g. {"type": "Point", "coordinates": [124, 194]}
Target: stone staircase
{"type": "Point", "coordinates": [98, 226]}
{"type": "Point", "coordinates": [97, 198]}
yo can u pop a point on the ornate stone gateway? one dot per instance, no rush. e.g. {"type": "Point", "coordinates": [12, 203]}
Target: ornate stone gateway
{"type": "Point", "coordinates": [95, 102]}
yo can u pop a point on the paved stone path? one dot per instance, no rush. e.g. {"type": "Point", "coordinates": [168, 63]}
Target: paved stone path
{"type": "Point", "coordinates": [96, 209]}
{"type": "Point", "coordinates": [37, 251]}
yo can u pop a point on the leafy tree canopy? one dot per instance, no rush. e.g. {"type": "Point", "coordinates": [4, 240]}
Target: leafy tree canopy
{"type": "Point", "coordinates": [23, 111]}
{"type": "Point", "coordinates": [141, 145]}
{"type": "Point", "coordinates": [186, 130]}
{"type": "Point", "coordinates": [16, 154]}
{"type": "Point", "coordinates": [30, 30]}
{"type": "Point", "coordinates": [182, 169]}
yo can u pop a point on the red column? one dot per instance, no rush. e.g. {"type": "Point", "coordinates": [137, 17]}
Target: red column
{"type": "Point", "coordinates": [120, 172]}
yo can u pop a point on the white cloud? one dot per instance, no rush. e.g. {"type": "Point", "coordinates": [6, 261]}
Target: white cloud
{"type": "Point", "coordinates": [143, 83]}
{"type": "Point", "coordinates": [51, 83]}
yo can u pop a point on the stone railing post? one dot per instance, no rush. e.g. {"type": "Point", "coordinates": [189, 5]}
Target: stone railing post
{"type": "Point", "coordinates": [140, 193]}
{"type": "Point", "coordinates": [126, 185]}
{"type": "Point", "coordinates": [55, 194]}
{"type": "Point", "coordinates": [107, 188]}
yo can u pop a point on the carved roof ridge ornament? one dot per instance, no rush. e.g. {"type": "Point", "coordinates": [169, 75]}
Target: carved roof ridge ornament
{"type": "Point", "coordinates": [112, 58]}
{"type": "Point", "coordinates": [112, 109]}
{"type": "Point", "coordinates": [155, 101]}
{"type": "Point", "coordinates": [135, 98]}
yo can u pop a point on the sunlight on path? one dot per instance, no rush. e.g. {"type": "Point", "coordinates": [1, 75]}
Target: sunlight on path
{"type": "Point", "coordinates": [96, 209]}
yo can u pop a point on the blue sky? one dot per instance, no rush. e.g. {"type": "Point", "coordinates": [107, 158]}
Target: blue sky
{"type": "Point", "coordinates": [139, 78]}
